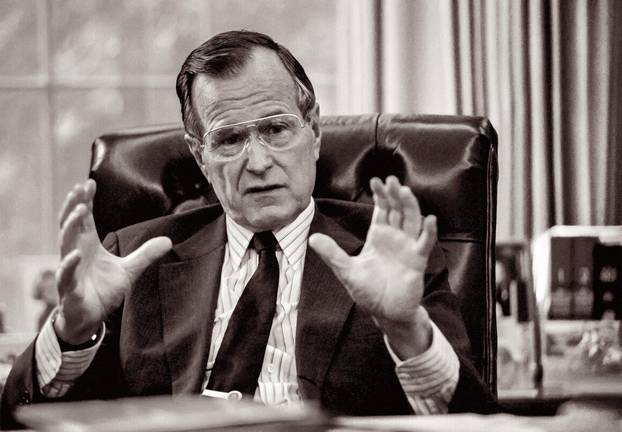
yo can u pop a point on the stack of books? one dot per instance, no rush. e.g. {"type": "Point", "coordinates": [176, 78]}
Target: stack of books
{"type": "Point", "coordinates": [578, 272]}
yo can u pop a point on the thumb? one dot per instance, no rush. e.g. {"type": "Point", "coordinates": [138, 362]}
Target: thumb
{"type": "Point", "coordinates": [148, 253]}
{"type": "Point", "coordinates": [336, 258]}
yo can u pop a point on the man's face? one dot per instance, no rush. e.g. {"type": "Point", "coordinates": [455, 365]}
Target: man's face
{"type": "Point", "coordinates": [262, 189]}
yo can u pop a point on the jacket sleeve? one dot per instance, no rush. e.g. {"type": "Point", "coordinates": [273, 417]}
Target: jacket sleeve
{"type": "Point", "coordinates": [20, 388]}
{"type": "Point", "coordinates": [102, 380]}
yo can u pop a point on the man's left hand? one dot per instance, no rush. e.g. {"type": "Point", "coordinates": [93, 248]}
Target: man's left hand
{"type": "Point", "coordinates": [387, 277]}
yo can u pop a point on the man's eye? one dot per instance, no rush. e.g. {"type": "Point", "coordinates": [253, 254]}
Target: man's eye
{"type": "Point", "coordinates": [277, 128]}
{"type": "Point", "coordinates": [230, 139]}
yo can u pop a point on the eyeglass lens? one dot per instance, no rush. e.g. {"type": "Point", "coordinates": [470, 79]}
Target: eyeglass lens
{"type": "Point", "coordinates": [277, 132]}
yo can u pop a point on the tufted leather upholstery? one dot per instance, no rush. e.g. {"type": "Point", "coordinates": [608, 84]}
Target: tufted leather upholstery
{"type": "Point", "coordinates": [450, 162]}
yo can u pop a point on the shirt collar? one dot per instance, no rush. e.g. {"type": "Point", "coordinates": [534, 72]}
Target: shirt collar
{"type": "Point", "coordinates": [292, 237]}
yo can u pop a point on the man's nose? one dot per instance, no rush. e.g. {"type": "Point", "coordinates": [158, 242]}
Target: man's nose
{"type": "Point", "coordinates": [259, 155]}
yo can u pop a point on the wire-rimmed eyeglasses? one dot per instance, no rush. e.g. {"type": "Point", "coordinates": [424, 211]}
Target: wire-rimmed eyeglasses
{"type": "Point", "coordinates": [276, 132]}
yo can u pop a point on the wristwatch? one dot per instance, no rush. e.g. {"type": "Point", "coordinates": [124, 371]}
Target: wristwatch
{"type": "Point", "coordinates": [66, 346]}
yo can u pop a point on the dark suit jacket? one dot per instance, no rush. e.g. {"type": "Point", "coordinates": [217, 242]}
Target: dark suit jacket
{"type": "Point", "coordinates": [158, 341]}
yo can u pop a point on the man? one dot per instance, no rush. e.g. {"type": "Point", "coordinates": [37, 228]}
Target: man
{"type": "Point", "coordinates": [362, 326]}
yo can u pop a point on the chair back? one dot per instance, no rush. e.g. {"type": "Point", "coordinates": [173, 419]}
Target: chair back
{"type": "Point", "coordinates": [450, 163]}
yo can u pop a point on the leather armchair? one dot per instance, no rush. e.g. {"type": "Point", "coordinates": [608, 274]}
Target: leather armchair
{"type": "Point", "coordinates": [450, 162]}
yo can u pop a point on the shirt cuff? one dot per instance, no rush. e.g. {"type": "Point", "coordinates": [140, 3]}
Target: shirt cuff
{"type": "Point", "coordinates": [429, 379]}
{"type": "Point", "coordinates": [57, 370]}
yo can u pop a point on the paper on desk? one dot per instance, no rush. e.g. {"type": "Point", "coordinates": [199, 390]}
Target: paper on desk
{"type": "Point", "coordinates": [166, 414]}
{"type": "Point", "coordinates": [440, 423]}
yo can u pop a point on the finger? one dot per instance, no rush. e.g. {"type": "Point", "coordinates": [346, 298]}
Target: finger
{"type": "Point", "coordinates": [395, 218]}
{"type": "Point", "coordinates": [380, 215]}
{"type": "Point", "coordinates": [336, 258]}
{"type": "Point", "coordinates": [428, 236]}
{"type": "Point", "coordinates": [152, 250]}
{"type": "Point", "coordinates": [81, 193]}
{"type": "Point", "coordinates": [411, 212]}
{"type": "Point", "coordinates": [395, 203]}
{"type": "Point", "coordinates": [71, 229]}
{"type": "Point", "coordinates": [90, 187]}
{"type": "Point", "coordinates": [381, 193]}
{"type": "Point", "coordinates": [88, 223]}
{"type": "Point", "coordinates": [69, 203]}
{"type": "Point", "coordinates": [66, 273]}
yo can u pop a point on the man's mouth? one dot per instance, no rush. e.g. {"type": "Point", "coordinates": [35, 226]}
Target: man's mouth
{"type": "Point", "coordinates": [262, 189]}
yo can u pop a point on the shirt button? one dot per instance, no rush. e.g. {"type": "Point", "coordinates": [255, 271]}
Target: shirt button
{"type": "Point", "coordinates": [271, 368]}
{"type": "Point", "coordinates": [404, 376]}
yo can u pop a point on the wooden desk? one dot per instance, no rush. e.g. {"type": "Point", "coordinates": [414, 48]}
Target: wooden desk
{"type": "Point", "coordinates": [548, 400]}
{"type": "Point", "coordinates": [165, 414]}
{"type": "Point", "coordinates": [603, 415]}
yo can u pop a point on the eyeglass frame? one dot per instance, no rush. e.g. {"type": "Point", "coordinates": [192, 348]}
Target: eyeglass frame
{"type": "Point", "coordinates": [203, 146]}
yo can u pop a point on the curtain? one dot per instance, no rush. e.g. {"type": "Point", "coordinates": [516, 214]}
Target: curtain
{"type": "Point", "coordinates": [548, 73]}
{"type": "Point", "coordinates": [358, 56]}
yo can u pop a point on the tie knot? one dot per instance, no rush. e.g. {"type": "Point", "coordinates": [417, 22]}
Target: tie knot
{"type": "Point", "coordinates": [264, 240]}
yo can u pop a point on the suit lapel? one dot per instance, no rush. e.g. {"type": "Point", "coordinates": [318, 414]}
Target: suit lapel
{"type": "Point", "coordinates": [189, 291]}
{"type": "Point", "coordinates": [323, 309]}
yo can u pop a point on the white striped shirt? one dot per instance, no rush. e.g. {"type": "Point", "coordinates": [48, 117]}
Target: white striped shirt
{"type": "Point", "coordinates": [429, 379]}
{"type": "Point", "coordinates": [278, 382]}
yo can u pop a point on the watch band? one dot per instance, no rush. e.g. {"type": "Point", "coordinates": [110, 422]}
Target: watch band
{"type": "Point", "coordinates": [66, 346]}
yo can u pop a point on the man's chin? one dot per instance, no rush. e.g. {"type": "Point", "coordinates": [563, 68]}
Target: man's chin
{"type": "Point", "coordinates": [269, 218]}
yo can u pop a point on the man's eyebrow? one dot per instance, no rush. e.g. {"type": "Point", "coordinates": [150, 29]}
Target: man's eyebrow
{"type": "Point", "coordinates": [272, 111]}
{"type": "Point", "coordinates": [276, 111]}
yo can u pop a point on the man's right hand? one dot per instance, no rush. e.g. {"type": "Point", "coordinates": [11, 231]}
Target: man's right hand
{"type": "Point", "coordinates": [91, 281]}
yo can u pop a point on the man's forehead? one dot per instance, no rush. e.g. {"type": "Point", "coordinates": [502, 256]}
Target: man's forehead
{"type": "Point", "coordinates": [262, 81]}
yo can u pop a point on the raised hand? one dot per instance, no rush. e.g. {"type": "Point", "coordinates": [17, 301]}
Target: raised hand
{"type": "Point", "coordinates": [91, 281]}
{"type": "Point", "coordinates": [387, 277]}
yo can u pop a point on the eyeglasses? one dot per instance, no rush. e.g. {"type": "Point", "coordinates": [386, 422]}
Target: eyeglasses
{"type": "Point", "coordinates": [276, 132]}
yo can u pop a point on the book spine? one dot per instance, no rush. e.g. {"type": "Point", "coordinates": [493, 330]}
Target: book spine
{"type": "Point", "coordinates": [607, 281]}
{"type": "Point", "coordinates": [561, 278]}
{"type": "Point", "coordinates": [582, 284]}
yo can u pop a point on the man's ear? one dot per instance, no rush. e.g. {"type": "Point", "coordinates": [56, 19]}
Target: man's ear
{"type": "Point", "coordinates": [313, 118]}
{"type": "Point", "coordinates": [194, 144]}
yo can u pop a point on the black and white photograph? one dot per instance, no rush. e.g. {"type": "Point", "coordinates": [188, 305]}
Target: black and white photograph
{"type": "Point", "coordinates": [327, 215]}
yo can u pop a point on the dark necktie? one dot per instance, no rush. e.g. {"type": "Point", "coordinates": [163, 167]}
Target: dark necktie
{"type": "Point", "coordinates": [240, 357]}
